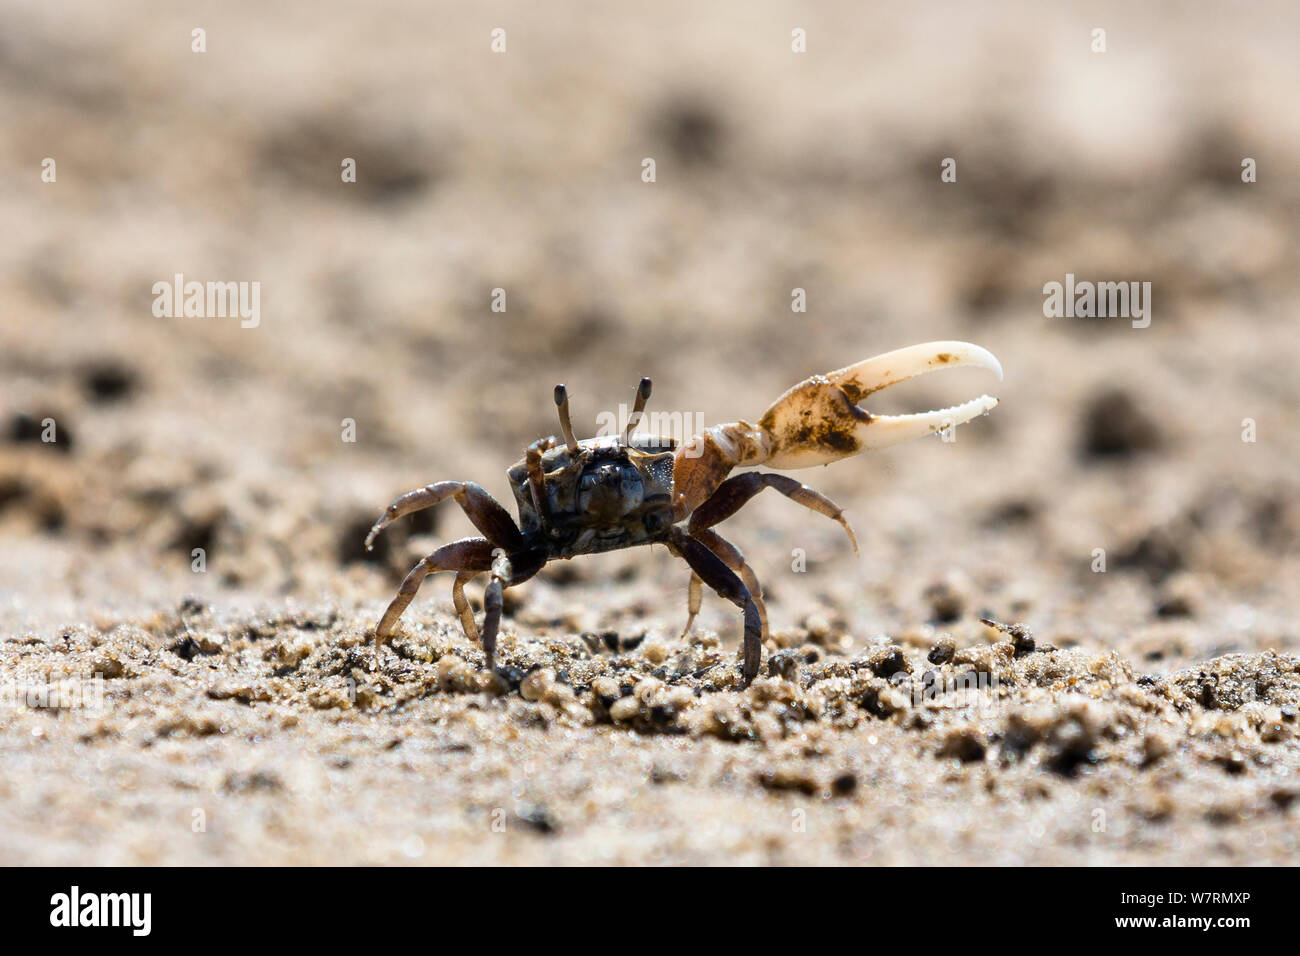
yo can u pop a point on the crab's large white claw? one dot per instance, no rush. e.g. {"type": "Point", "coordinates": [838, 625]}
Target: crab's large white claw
{"type": "Point", "coordinates": [821, 419]}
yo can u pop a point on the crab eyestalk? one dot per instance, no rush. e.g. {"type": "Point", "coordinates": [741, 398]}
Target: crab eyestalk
{"type": "Point", "coordinates": [566, 425]}
{"type": "Point", "coordinates": [638, 408]}
{"type": "Point", "coordinates": [821, 419]}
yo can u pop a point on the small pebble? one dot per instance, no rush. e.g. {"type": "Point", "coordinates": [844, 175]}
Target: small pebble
{"type": "Point", "coordinates": [537, 685]}
{"type": "Point", "coordinates": [654, 652]}
{"type": "Point", "coordinates": [645, 688]}
{"type": "Point", "coordinates": [888, 661]}
{"type": "Point", "coordinates": [606, 688]}
{"type": "Point", "coordinates": [942, 651]}
{"type": "Point", "coordinates": [1022, 639]}
{"type": "Point", "coordinates": [844, 784]}
{"type": "Point", "coordinates": [818, 628]}
{"type": "Point", "coordinates": [947, 600]}
{"type": "Point", "coordinates": [784, 665]}
{"type": "Point", "coordinates": [624, 709]}
{"type": "Point", "coordinates": [965, 743]}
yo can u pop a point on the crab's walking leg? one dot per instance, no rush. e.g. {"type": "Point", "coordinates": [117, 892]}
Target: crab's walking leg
{"type": "Point", "coordinates": [466, 555]}
{"type": "Point", "coordinates": [491, 519]}
{"type": "Point", "coordinates": [492, 600]}
{"type": "Point", "coordinates": [736, 491]}
{"type": "Point", "coordinates": [733, 558]}
{"type": "Point", "coordinates": [462, 606]}
{"type": "Point", "coordinates": [694, 598]}
{"type": "Point", "coordinates": [715, 573]}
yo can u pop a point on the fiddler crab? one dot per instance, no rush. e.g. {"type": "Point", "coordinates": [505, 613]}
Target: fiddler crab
{"type": "Point", "coordinates": [619, 491]}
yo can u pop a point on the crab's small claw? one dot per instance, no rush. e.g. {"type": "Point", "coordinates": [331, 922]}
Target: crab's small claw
{"type": "Point", "coordinates": [822, 420]}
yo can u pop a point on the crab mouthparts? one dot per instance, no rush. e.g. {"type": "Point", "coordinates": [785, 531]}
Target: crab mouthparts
{"type": "Point", "coordinates": [870, 376]}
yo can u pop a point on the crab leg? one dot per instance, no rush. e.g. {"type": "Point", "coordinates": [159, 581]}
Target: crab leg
{"type": "Point", "coordinates": [492, 520]}
{"type": "Point", "coordinates": [502, 571]}
{"type": "Point", "coordinates": [736, 491]}
{"type": "Point", "coordinates": [715, 573]}
{"type": "Point", "coordinates": [734, 559]}
{"type": "Point", "coordinates": [694, 599]}
{"type": "Point", "coordinates": [463, 610]}
{"type": "Point", "coordinates": [468, 555]}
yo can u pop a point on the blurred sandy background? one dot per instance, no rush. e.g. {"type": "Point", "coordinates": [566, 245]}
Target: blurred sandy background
{"type": "Point", "coordinates": [522, 171]}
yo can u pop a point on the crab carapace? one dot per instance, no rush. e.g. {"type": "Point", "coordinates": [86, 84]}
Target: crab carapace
{"type": "Point", "coordinates": [619, 491]}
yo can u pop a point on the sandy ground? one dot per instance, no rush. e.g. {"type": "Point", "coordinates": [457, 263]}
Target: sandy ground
{"type": "Point", "coordinates": [1146, 713]}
